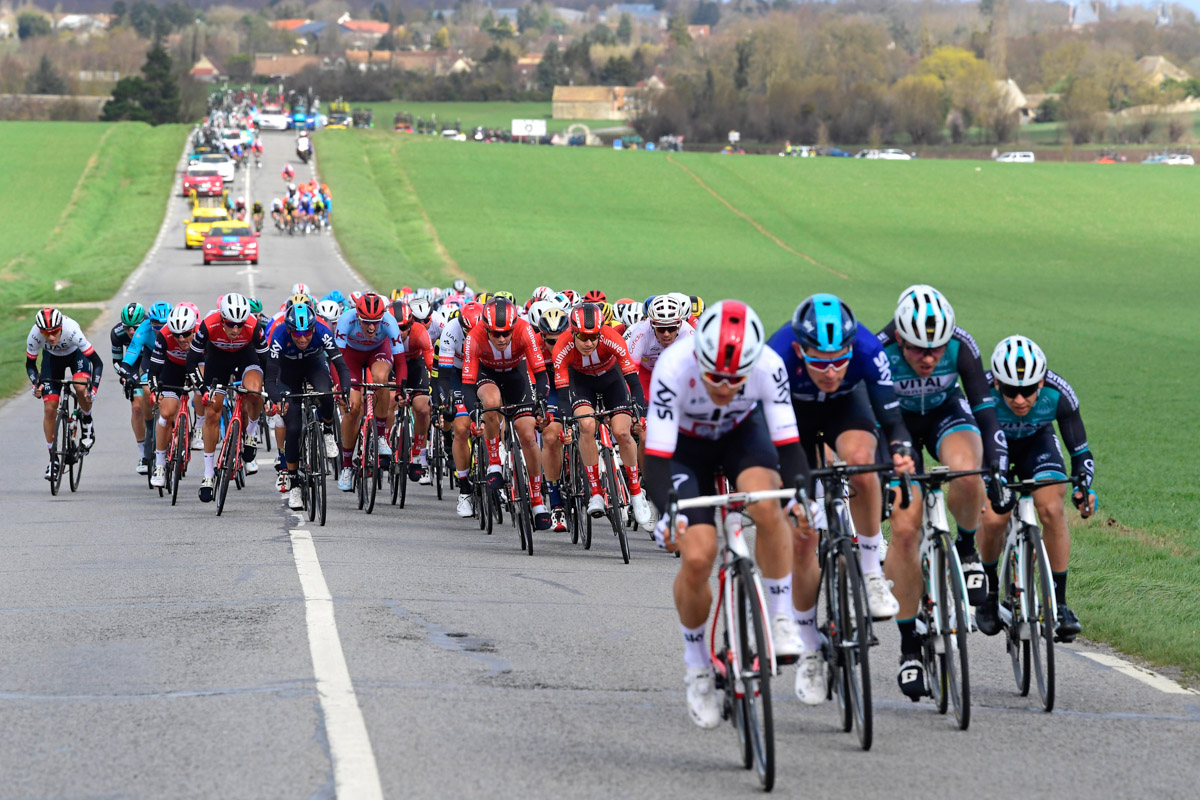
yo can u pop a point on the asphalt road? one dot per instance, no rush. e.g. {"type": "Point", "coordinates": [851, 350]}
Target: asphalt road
{"type": "Point", "coordinates": [149, 651]}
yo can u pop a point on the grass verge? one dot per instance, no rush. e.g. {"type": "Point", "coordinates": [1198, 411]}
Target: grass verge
{"type": "Point", "coordinates": [1094, 264]}
{"type": "Point", "coordinates": [83, 202]}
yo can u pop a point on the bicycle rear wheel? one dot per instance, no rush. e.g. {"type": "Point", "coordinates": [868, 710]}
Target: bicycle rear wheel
{"type": "Point", "coordinates": [436, 458]}
{"type": "Point", "coordinates": [394, 472]}
{"type": "Point", "coordinates": [758, 726]}
{"type": "Point", "coordinates": [855, 660]}
{"type": "Point", "coordinates": [955, 623]}
{"type": "Point", "coordinates": [1042, 622]}
{"type": "Point", "coordinates": [227, 461]}
{"type": "Point", "coordinates": [404, 455]}
{"type": "Point", "coordinates": [616, 513]}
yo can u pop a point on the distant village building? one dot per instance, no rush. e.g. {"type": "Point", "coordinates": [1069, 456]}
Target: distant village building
{"type": "Point", "coordinates": [698, 31]}
{"type": "Point", "coordinates": [205, 70]}
{"type": "Point", "coordinates": [645, 13]}
{"type": "Point", "coordinates": [594, 102]}
{"type": "Point", "coordinates": [83, 23]}
{"type": "Point", "coordinates": [1164, 18]}
{"type": "Point", "coordinates": [1157, 69]}
{"type": "Point", "coordinates": [281, 65]}
{"type": "Point", "coordinates": [1083, 13]}
{"type": "Point", "coordinates": [527, 70]}
{"type": "Point", "coordinates": [361, 33]}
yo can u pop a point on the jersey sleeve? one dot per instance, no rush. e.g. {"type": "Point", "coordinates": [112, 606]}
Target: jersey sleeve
{"type": "Point", "coordinates": [116, 340]}
{"type": "Point", "coordinates": [1070, 425]}
{"type": "Point", "coordinates": [879, 386]}
{"type": "Point", "coordinates": [979, 395]}
{"type": "Point", "coordinates": [33, 343]}
{"type": "Point", "coordinates": [616, 346]}
{"type": "Point", "coordinates": [470, 359]}
{"type": "Point", "coordinates": [446, 344]}
{"type": "Point", "coordinates": [533, 353]}
{"type": "Point", "coordinates": [887, 335]}
{"type": "Point", "coordinates": [561, 357]}
{"type": "Point", "coordinates": [771, 387]}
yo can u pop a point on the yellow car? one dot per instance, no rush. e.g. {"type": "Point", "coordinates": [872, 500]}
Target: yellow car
{"type": "Point", "coordinates": [196, 226]}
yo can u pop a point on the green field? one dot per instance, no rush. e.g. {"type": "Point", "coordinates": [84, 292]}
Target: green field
{"type": "Point", "coordinates": [489, 115]}
{"type": "Point", "coordinates": [1095, 264]}
{"type": "Point", "coordinates": [83, 203]}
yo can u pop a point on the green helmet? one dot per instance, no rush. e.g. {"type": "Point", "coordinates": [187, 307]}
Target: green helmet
{"type": "Point", "coordinates": [133, 315]}
{"type": "Point", "coordinates": [255, 305]}
{"type": "Point", "coordinates": [506, 295]}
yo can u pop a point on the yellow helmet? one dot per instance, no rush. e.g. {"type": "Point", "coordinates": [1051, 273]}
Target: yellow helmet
{"type": "Point", "coordinates": [397, 294]}
{"type": "Point", "coordinates": [298, 298]}
{"type": "Point", "coordinates": [697, 305]}
{"type": "Point", "coordinates": [608, 313]}
{"type": "Point", "coordinates": [506, 295]}
{"type": "Point", "coordinates": [554, 322]}
{"type": "Point", "coordinates": [482, 298]}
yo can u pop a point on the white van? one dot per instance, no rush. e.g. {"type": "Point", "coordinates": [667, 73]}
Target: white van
{"type": "Point", "coordinates": [1017, 157]}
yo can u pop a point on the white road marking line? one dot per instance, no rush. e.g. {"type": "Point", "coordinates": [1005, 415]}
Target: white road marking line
{"type": "Point", "coordinates": [1148, 677]}
{"type": "Point", "coordinates": [354, 772]}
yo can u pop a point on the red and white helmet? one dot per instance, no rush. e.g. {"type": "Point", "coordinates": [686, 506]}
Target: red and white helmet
{"type": "Point", "coordinates": [542, 293]}
{"type": "Point", "coordinates": [300, 288]}
{"type": "Point", "coordinates": [49, 320]}
{"type": "Point", "coordinates": [729, 338]}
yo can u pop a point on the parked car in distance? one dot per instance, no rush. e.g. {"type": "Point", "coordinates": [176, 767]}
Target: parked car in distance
{"type": "Point", "coordinates": [222, 163]}
{"type": "Point", "coordinates": [273, 121]}
{"type": "Point", "coordinates": [1180, 160]}
{"type": "Point", "coordinates": [833, 152]}
{"type": "Point", "coordinates": [1016, 157]}
{"type": "Point", "coordinates": [890, 154]}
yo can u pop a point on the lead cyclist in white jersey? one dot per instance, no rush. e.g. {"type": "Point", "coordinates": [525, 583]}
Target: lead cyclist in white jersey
{"type": "Point", "coordinates": [720, 400]}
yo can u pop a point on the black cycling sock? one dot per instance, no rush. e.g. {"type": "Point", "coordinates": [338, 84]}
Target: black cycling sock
{"type": "Point", "coordinates": [85, 418]}
{"type": "Point", "coordinates": [993, 578]}
{"type": "Point", "coordinates": [464, 485]}
{"type": "Point", "coordinates": [1060, 587]}
{"type": "Point", "coordinates": [910, 643]}
{"type": "Point", "coordinates": [965, 543]}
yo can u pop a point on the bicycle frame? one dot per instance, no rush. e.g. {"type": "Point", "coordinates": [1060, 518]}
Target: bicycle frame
{"type": "Point", "coordinates": [1014, 559]}
{"type": "Point", "coordinates": [935, 532]}
{"type": "Point", "coordinates": [734, 550]}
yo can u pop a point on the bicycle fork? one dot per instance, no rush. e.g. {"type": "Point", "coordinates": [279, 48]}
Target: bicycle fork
{"type": "Point", "coordinates": [1015, 567]}
{"type": "Point", "coordinates": [934, 535]}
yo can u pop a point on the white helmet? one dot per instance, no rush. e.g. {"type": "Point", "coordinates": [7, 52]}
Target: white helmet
{"type": "Point", "coordinates": [181, 320]}
{"type": "Point", "coordinates": [537, 309]}
{"type": "Point", "coordinates": [1018, 361]}
{"type": "Point", "coordinates": [924, 318]}
{"type": "Point", "coordinates": [329, 310]}
{"type": "Point", "coordinates": [235, 308]}
{"type": "Point", "coordinates": [460, 285]}
{"type": "Point", "coordinates": [632, 314]}
{"type": "Point", "coordinates": [420, 309]}
{"type": "Point", "coordinates": [729, 338]}
{"type": "Point", "coordinates": [543, 293]}
{"type": "Point", "coordinates": [669, 309]}
{"type": "Point", "coordinates": [300, 288]}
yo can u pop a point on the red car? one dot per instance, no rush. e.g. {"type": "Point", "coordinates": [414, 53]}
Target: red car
{"type": "Point", "coordinates": [230, 240]}
{"type": "Point", "coordinates": [206, 182]}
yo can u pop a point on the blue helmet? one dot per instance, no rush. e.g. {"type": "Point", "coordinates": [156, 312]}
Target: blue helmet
{"type": "Point", "coordinates": [335, 296]}
{"type": "Point", "coordinates": [300, 318]}
{"type": "Point", "coordinates": [646, 305]}
{"type": "Point", "coordinates": [159, 312]}
{"type": "Point", "coordinates": [824, 322]}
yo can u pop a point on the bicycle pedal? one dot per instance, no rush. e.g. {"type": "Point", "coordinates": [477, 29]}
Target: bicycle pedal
{"type": "Point", "coordinates": [786, 660]}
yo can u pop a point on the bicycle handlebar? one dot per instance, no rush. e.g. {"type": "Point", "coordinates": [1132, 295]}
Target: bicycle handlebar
{"type": "Point", "coordinates": [840, 469]}
{"type": "Point", "coordinates": [674, 504]}
{"type": "Point", "coordinates": [356, 385]}
{"type": "Point", "coordinates": [939, 475]}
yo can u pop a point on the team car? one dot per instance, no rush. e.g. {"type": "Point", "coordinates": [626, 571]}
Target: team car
{"type": "Point", "coordinates": [203, 180]}
{"type": "Point", "coordinates": [230, 240]}
{"type": "Point", "coordinates": [196, 226]}
{"type": "Point", "coordinates": [222, 163]}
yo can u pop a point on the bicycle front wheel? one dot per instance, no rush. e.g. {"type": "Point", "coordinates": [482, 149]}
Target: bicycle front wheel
{"type": "Point", "coordinates": [58, 460]}
{"type": "Point", "coordinates": [318, 475]}
{"type": "Point", "coordinates": [227, 459]}
{"type": "Point", "coordinates": [520, 508]}
{"type": "Point", "coordinates": [179, 452]}
{"type": "Point", "coordinates": [616, 513]}
{"type": "Point", "coordinates": [955, 624]}
{"type": "Point", "coordinates": [1041, 620]}
{"type": "Point", "coordinates": [370, 468]}
{"type": "Point", "coordinates": [758, 725]}
{"type": "Point", "coordinates": [75, 463]}
{"type": "Point", "coordinates": [855, 625]}
{"type": "Point", "coordinates": [1018, 626]}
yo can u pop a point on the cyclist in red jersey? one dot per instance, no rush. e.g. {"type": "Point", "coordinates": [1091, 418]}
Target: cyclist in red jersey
{"type": "Point", "coordinates": [498, 356]}
{"type": "Point", "coordinates": [593, 362]}
{"type": "Point", "coordinates": [232, 344]}
{"type": "Point", "coordinates": [552, 326]}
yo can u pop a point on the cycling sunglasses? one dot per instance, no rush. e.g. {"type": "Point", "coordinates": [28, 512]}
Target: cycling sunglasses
{"type": "Point", "coordinates": [591, 337]}
{"type": "Point", "coordinates": [824, 364]}
{"type": "Point", "coordinates": [1018, 391]}
{"type": "Point", "coordinates": [666, 328]}
{"type": "Point", "coordinates": [406, 328]}
{"type": "Point", "coordinates": [717, 379]}
{"type": "Point", "coordinates": [935, 352]}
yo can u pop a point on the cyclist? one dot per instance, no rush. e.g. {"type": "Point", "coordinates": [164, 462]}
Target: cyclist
{"type": "Point", "coordinates": [370, 342]}
{"type": "Point", "coordinates": [552, 324]}
{"type": "Point", "coordinates": [302, 350]}
{"type": "Point", "coordinates": [697, 307]}
{"type": "Point", "coordinates": [593, 363]}
{"type": "Point", "coordinates": [289, 175]}
{"type": "Point", "coordinates": [239, 209]}
{"type": "Point", "coordinates": [663, 326]}
{"type": "Point", "coordinates": [257, 214]}
{"type": "Point", "coordinates": [450, 362]}
{"type": "Point", "coordinates": [168, 368]}
{"type": "Point", "coordinates": [418, 351]}
{"type": "Point", "coordinates": [705, 400]}
{"type": "Point", "coordinates": [277, 211]}
{"type": "Point", "coordinates": [841, 386]}
{"type": "Point", "coordinates": [595, 296]}
{"type": "Point", "coordinates": [460, 286]}
{"type": "Point", "coordinates": [232, 343]}
{"type": "Point", "coordinates": [496, 355]}
{"type": "Point", "coordinates": [1029, 399]}
{"type": "Point", "coordinates": [120, 337]}
{"type": "Point", "coordinates": [63, 348]}
{"type": "Point", "coordinates": [929, 355]}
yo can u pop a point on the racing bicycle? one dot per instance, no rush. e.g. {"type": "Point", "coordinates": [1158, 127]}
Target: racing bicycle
{"type": "Point", "coordinates": [229, 454]}
{"type": "Point", "coordinates": [179, 450]}
{"type": "Point", "coordinates": [313, 469]}
{"type": "Point", "coordinates": [67, 451]}
{"type": "Point", "coordinates": [612, 479]}
{"type": "Point", "coordinates": [367, 477]}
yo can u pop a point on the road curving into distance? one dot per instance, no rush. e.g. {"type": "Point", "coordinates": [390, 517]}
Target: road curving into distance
{"type": "Point", "coordinates": [150, 651]}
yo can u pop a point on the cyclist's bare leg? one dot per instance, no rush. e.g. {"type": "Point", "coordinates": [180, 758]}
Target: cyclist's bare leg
{"type": "Point", "coordinates": [489, 397]}
{"type": "Point", "coordinates": [49, 418]}
{"type": "Point", "coordinates": [252, 381]}
{"type": "Point", "coordinates": [1050, 502]}
{"type": "Point", "coordinates": [381, 372]}
{"type": "Point", "coordinates": [963, 450]}
{"type": "Point", "coordinates": [212, 421]}
{"type": "Point", "coordinates": [168, 407]}
{"type": "Point", "coordinates": [352, 418]}
{"type": "Point", "coordinates": [422, 411]}
{"type": "Point", "coordinates": [693, 596]}
{"type": "Point", "coordinates": [622, 425]}
{"type": "Point", "coordinates": [462, 443]}
{"type": "Point", "coordinates": [552, 451]}
{"type": "Point", "coordinates": [773, 544]}
{"type": "Point", "coordinates": [84, 396]}
{"type": "Point", "coordinates": [866, 502]}
{"type": "Point", "coordinates": [990, 538]}
{"type": "Point", "coordinates": [137, 415]}
{"type": "Point", "coordinates": [587, 437]}
{"type": "Point", "coordinates": [903, 565]}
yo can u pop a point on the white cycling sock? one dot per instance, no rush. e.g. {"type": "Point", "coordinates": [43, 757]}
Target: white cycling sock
{"type": "Point", "coordinates": [868, 553]}
{"type": "Point", "coordinates": [695, 654]}
{"type": "Point", "coordinates": [210, 464]}
{"type": "Point", "coordinates": [252, 428]}
{"type": "Point", "coordinates": [160, 458]}
{"type": "Point", "coordinates": [779, 594]}
{"type": "Point", "coordinates": [140, 447]}
{"type": "Point", "coordinates": [810, 638]}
